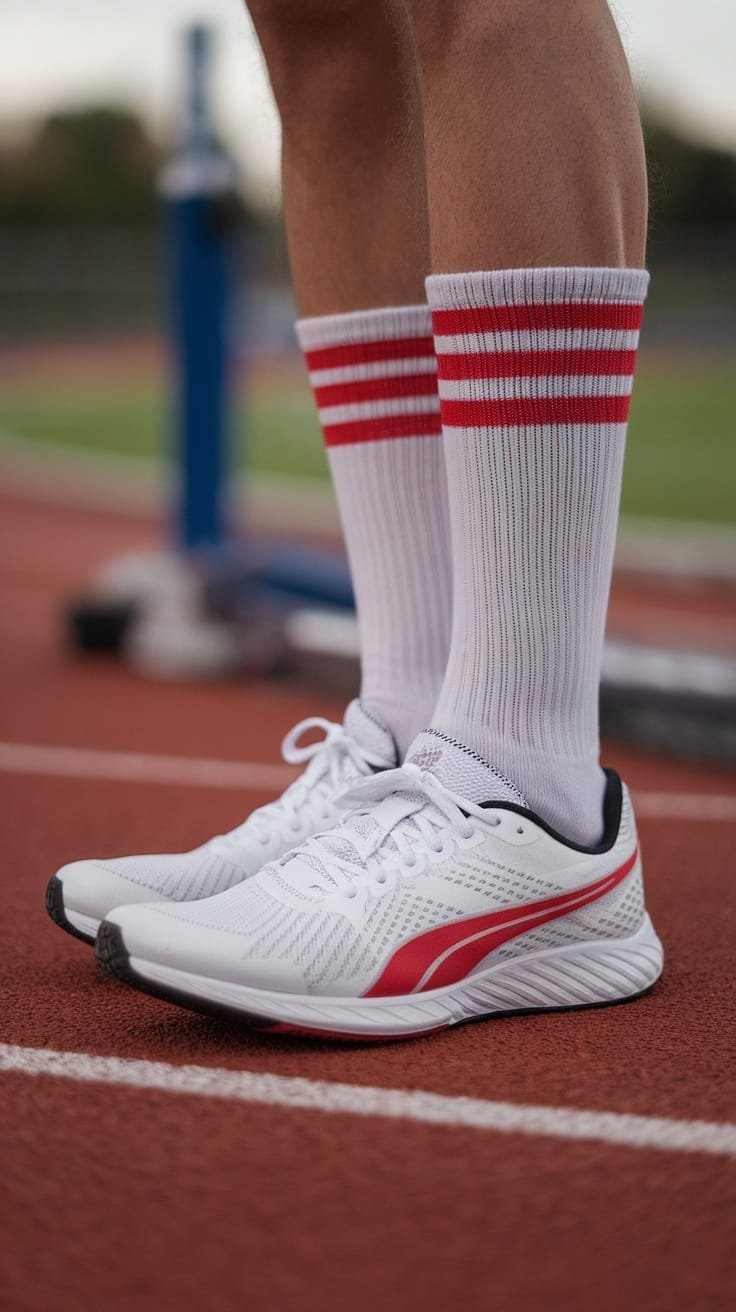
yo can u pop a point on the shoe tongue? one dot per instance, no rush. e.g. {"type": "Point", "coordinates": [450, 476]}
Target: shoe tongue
{"type": "Point", "coordinates": [370, 733]}
{"type": "Point", "coordinates": [461, 770]}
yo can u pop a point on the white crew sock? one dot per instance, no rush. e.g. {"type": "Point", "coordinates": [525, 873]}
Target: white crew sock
{"type": "Point", "coordinates": [535, 374]}
{"type": "Point", "coordinates": [374, 377]}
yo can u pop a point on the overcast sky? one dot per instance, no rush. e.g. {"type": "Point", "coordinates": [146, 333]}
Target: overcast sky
{"type": "Point", "coordinates": [62, 52]}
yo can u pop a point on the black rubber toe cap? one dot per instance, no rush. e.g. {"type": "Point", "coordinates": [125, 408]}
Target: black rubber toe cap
{"type": "Point", "coordinates": [55, 908]}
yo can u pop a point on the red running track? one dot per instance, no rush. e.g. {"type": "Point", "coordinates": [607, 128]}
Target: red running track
{"type": "Point", "coordinates": [137, 1200]}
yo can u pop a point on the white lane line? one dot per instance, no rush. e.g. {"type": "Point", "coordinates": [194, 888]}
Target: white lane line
{"type": "Point", "coordinates": [136, 767]}
{"type": "Point", "coordinates": [684, 806]}
{"type": "Point", "coordinates": [203, 772]}
{"type": "Point", "coordinates": [364, 1100]}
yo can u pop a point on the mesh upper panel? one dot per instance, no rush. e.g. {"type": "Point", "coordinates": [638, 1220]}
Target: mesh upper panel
{"type": "Point", "coordinates": [329, 948]}
{"type": "Point", "coordinates": [207, 871]}
{"type": "Point", "coordinates": [461, 770]}
{"type": "Point", "coordinates": [617, 915]}
{"type": "Point", "coordinates": [186, 875]}
{"type": "Point", "coordinates": [370, 732]}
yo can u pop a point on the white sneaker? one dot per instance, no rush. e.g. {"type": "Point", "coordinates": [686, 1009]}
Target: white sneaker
{"type": "Point", "coordinates": [439, 898]}
{"type": "Point", "coordinates": [81, 893]}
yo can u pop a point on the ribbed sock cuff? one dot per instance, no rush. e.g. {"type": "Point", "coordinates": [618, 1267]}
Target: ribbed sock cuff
{"type": "Point", "coordinates": [388, 324]}
{"type": "Point", "coordinates": [535, 286]}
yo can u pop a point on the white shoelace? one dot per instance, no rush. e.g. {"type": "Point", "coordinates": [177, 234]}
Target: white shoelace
{"type": "Point", "coordinates": [425, 822]}
{"type": "Point", "coordinates": [329, 760]}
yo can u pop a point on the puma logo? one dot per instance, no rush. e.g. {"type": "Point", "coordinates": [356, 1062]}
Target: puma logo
{"type": "Point", "coordinates": [426, 757]}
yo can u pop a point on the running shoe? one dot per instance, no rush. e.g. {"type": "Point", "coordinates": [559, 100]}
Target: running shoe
{"type": "Point", "coordinates": [439, 898]}
{"type": "Point", "coordinates": [81, 894]}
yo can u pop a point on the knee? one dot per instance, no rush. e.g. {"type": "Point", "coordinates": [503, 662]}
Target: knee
{"type": "Point", "coordinates": [323, 53]}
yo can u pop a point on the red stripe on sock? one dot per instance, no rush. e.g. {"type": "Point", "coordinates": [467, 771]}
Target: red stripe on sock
{"type": "Point", "coordinates": [615, 315]}
{"type": "Point", "coordinates": [527, 364]}
{"type": "Point", "coordinates": [378, 430]}
{"type": "Point", "coordinates": [514, 412]}
{"type": "Point", "coordinates": [349, 353]}
{"type": "Point", "coordinates": [376, 389]}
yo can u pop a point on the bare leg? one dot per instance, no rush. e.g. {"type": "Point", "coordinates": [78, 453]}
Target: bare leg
{"type": "Point", "coordinates": [537, 199]}
{"type": "Point", "coordinates": [534, 148]}
{"type": "Point", "coordinates": [344, 79]}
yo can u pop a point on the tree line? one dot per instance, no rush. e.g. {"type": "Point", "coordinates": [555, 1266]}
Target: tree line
{"type": "Point", "coordinates": [98, 167]}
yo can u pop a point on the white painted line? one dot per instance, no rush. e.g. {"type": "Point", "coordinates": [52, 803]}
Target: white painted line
{"type": "Point", "coordinates": [364, 1100]}
{"type": "Point", "coordinates": [135, 767]}
{"type": "Point", "coordinates": [203, 772]}
{"type": "Point", "coordinates": [684, 806]}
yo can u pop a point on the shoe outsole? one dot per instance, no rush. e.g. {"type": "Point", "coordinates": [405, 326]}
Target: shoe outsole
{"type": "Point", "coordinates": [55, 908]}
{"type": "Point", "coordinates": [114, 958]}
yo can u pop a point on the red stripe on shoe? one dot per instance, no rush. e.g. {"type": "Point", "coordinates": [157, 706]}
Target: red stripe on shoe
{"type": "Point", "coordinates": [376, 389]}
{"type": "Point", "coordinates": [528, 364]}
{"type": "Point", "coordinates": [378, 430]}
{"type": "Point", "coordinates": [349, 353]}
{"type": "Point", "coordinates": [615, 315]}
{"type": "Point", "coordinates": [518, 412]}
{"type": "Point", "coordinates": [449, 953]}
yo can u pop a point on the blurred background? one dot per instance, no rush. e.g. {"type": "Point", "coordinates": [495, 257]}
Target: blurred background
{"type": "Point", "coordinates": [163, 1203]}
{"type": "Point", "coordinates": [90, 104]}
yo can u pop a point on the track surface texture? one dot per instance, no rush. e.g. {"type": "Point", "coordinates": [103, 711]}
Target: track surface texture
{"type": "Point", "coordinates": [139, 1195]}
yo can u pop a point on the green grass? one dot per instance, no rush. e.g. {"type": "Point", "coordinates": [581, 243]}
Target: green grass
{"type": "Point", "coordinates": [681, 460]}
{"type": "Point", "coordinates": [681, 456]}
{"type": "Point", "coordinates": [276, 428]}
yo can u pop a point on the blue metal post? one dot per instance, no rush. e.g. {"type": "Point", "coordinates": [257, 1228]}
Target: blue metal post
{"type": "Point", "coordinates": [197, 184]}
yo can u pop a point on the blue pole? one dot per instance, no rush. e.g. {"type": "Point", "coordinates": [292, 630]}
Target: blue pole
{"type": "Point", "coordinates": [197, 184]}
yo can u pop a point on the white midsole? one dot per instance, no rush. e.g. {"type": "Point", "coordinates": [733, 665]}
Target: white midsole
{"type": "Point", "coordinates": [581, 974]}
{"type": "Point", "coordinates": [85, 924]}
